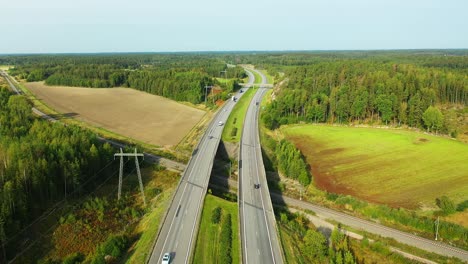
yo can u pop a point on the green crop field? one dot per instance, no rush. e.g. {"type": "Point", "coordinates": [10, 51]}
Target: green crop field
{"type": "Point", "coordinates": [235, 121]}
{"type": "Point", "coordinates": [208, 241]}
{"type": "Point", "coordinates": [395, 167]}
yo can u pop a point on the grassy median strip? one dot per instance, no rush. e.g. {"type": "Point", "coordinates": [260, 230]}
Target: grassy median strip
{"type": "Point", "coordinates": [270, 78]}
{"type": "Point", "coordinates": [258, 77]}
{"type": "Point", "coordinates": [234, 124]}
{"type": "Point", "coordinates": [218, 240]}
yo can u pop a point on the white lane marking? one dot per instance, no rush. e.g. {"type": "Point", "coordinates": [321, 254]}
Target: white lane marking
{"type": "Point", "coordinates": [193, 228]}
{"type": "Point", "coordinates": [263, 204]}
{"type": "Point", "coordinates": [182, 196]}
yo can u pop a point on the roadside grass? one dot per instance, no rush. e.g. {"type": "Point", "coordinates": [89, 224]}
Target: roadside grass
{"type": "Point", "coordinates": [390, 242]}
{"type": "Point", "coordinates": [147, 229]}
{"type": "Point", "coordinates": [396, 167]}
{"type": "Point", "coordinates": [208, 239]}
{"type": "Point", "coordinates": [233, 127]}
{"type": "Point", "coordinates": [289, 240]}
{"type": "Point", "coordinates": [270, 78]}
{"type": "Point", "coordinates": [258, 78]}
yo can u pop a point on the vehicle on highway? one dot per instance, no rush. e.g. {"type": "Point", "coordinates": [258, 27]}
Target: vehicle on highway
{"type": "Point", "coordinates": [256, 185]}
{"type": "Point", "coordinates": [166, 258]}
{"type": "Point", "coordinates": [220, 123]}
{"type": "Point", "coordinates": [234, 99]}
{"type": "Point", "coordinates": [241, 91]}
{"type": "Point", "coordinates": [256, 103]}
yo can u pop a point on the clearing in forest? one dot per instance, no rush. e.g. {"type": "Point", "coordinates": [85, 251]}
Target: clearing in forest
{"type": "Point", "coordinates": [148, 118]}
{"type": "Point", "coordinates": [395, 167]}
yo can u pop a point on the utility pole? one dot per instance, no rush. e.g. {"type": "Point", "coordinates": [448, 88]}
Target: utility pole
{"type": "Point", "coordinates": [121, 154]}
{"type": "Point", "coordinates": [206, 91]}
{"type": "Point", "coordinates": [437, 228]}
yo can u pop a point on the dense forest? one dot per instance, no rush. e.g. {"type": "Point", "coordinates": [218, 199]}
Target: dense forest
{"type": "Point", "coordinates": [421, 91]}
{"type": "Point", "coordinates": [181, 77]}
{"type": "Point", "coordinates": [41, 163]}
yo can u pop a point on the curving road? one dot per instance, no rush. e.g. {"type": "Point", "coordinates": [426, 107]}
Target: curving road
{"type": "Point", "coordinates": [259, 238]}
{"type": "Point", "coordinates": [177, 235]}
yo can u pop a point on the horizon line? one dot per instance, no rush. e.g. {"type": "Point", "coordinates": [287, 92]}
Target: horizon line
{"type": "Point", "coordinates": [231, 51]}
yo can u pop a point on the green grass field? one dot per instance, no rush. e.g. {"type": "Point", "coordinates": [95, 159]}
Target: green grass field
{"type": "Point", "coordinates": [395, 167]}
{"type": "Point", "coordinates": [5, 67]}
{"type": "Point", "coordinates": [258, 78]}
{"type": "Point", "coordinates": [270, 78]}
{"type": "Point", "coordinates": [224, 80]}
{"type": "Point", "coordinates": [208, 235]}
{"type": "Point", "coordinates": [237, 116]}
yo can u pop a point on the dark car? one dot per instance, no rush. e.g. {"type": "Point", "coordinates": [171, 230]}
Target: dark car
{"type": "Point", "coordinates": [256, 185]}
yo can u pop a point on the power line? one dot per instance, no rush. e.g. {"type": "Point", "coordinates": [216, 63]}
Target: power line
{"type": "Point", "coordinates": [137, 165]}
{"type": "Point", "coordinates": [59, 205]}
{"type": "Point", "coordinates": [56, 224]}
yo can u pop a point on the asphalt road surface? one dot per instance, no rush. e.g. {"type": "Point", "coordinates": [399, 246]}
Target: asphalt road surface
{"type": "Point", "coordinates": [178, 233]}
{"type": "Point", "coordinates": [358, 223]}
{"type": "Point", "coordinates": [259, 237]}
{"type": "Point", "coordinates": [372, 227]}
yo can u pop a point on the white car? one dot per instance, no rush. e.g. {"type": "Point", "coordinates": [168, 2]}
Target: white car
{"type": "Point", "coordinates": [166, 258]}
{"type": "Point", "coordinates": [220, 123]}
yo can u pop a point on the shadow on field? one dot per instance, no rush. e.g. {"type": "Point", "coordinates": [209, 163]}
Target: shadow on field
{"type": "Point", "coordinates": [220, 175]}
{"type": "Point", "coordinates": [274, 185]}
{"type": "Point", "coordinates": [64, 116]}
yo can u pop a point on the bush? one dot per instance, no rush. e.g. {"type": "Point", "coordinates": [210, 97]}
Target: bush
{"type": "Point", "coordinates": [462, 206]}
{"type": "Point", "coordinates": [380, 247]}
{"type": "Point", "coordinates": [446, 205]}
{"type": "Point", "coordinates": [226, 239]}
{"type": "Point", "coordinates": [113, 246]}
{"type": "Point", "coordinates": [233, 131]}
{"type": "Point", "coordinates": [74, 258]}
{"type": "Point", "coordinates": [331, 196]}
{"type": "Point", "coordinates": [291, 162]}
{"type": "Point", "coordinates": [216, 215]}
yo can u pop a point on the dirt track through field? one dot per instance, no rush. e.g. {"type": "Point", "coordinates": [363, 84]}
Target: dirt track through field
{"type": "Point", "coordinates": [142, 116]}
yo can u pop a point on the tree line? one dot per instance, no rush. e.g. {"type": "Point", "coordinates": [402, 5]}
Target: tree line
{"type": "Point", "coordinates": [41, 163]}
{"type": "Point", "coordinates": [291, 162]}
{"type": "Point", "coordinates": [181, 77]}
{"type": "Point", "coordinates": [367, 91]}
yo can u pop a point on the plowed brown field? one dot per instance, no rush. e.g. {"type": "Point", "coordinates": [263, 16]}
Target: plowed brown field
{"type": "Point", "coordinates": [148, 118]}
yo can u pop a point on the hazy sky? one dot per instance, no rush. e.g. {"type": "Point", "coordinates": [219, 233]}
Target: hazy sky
{"type": "Point", "coordinates": [33, 26]}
